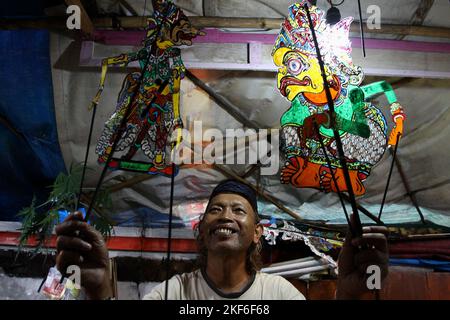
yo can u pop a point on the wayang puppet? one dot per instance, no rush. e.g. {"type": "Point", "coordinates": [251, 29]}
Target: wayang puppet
{"type": "Point", "coordinates": [361, 125]}
{"type": "Point", "coordinates": [155, 118]}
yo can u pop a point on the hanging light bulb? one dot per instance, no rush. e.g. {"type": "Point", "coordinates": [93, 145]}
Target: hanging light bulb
{"type": "Point", "coordinates": [333, 14]}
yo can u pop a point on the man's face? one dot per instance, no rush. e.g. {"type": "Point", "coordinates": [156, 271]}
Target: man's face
{"type": "Point", "coordinates": [229, 224]}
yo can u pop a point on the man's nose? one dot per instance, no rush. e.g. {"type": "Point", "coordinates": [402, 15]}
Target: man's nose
{"type": "Point", "coordinates": [227, 213]}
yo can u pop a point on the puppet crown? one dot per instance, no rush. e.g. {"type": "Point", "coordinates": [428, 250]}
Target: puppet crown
{"type": "Point", "coordinates": [295, 33]}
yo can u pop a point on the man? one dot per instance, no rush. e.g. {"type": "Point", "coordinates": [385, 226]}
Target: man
{"type": "Point", "coordinates": [228, 236]}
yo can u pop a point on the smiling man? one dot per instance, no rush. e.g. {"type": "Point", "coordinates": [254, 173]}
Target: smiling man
{"type": "Point", "coordinates": [228, 236]}
{"type": "Point", "coordinates": [229, 241]}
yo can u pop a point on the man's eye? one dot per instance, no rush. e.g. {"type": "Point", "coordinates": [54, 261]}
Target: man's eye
{"type": "Point", "coordinates": [240, 210]}
{"type": "Point", "coordinates": [294, 66]}
{"type": "Point", "coordinates": [214, 210]}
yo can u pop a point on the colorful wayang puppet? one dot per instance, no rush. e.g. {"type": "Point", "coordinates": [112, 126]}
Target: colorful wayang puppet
{"type": "Point", "coordinates": [155, 115]}
{"type": "Point", "coordinates": [361, 126]}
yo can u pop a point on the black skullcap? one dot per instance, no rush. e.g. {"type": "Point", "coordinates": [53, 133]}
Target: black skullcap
{"type": "Point", "coordinates": [237, 187]}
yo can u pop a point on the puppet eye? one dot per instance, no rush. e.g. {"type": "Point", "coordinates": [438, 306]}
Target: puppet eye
{"type": "Point", "coordinates": [294, 66]}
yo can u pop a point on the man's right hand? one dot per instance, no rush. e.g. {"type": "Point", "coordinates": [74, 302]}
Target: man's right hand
{"type": "Point", "coordinates": [80, 244]}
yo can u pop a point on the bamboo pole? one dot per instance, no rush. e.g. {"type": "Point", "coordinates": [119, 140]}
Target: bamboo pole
{"type": "Point", "coordinates": [294, 266]}
{"type": "Point", "coordinates": [275, 23]}
{"type": "Point", "coordinates": [221, 102]}
{"type": "Point", "coordinates": [300, 272]}
{"type": "Point", "coordinates": [219, 22]}
{"type": "Point", "coordinates": [290, 262]}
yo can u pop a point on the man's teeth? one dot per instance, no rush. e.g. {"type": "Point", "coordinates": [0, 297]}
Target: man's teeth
{"type": "Point", "coordinates": [223, 231]}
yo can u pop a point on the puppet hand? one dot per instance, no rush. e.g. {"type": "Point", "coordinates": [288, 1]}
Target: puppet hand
{"type": "Point", "coordinates": [397, 131]}
{"type": "Point", "coordinates": [80, 244]}
{"type": "Point", "coordinates": [356, 256]}
{"type": "Point", "coordinates": [398, 116]}
{"type": "Point", "coordinates": [309, 128]}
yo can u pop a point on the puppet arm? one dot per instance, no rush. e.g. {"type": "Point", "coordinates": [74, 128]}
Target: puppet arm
{"type": "Point", "coordinates": [397, 113]}
{"type": "Point", "coordinates": [178, 72]}
{"type": "Point", "coordinates": [178, 64]}
{"type": "Point", "coordinates": [398, 116]}
{"type": "Point", "coordinates": [120, 60]}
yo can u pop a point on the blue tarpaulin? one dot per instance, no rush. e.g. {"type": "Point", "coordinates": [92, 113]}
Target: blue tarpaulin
{"type": "Point", "coordinates": [436, 265]}
{"type": "Point", "coordinates": [30, 153]}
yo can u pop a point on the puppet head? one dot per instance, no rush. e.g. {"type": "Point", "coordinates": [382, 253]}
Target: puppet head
{"type": "Point", "coordinates": [175, 28]}
{"type": "Point", "coordinates": [295, 55]}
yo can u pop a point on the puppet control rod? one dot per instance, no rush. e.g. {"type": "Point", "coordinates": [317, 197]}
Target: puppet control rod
{"type": "Point", "coordinates": [357, 228]}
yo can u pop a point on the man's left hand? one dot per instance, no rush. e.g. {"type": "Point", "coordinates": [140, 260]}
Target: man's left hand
{"type": "Point", "coordinates": [356, 256]}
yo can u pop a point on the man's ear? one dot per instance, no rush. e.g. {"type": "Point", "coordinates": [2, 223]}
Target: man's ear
{"type": "Point", "coordinates": [259, 229]}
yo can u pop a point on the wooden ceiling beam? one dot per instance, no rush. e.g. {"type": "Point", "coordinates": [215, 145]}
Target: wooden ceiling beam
{"type": "Point", "coordinates": [419, 15]}
{"type": "Point", "coordinates": [219, 22]}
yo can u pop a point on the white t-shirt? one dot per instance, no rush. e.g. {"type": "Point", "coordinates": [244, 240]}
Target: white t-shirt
{"type": "Point", "coordinates": [194, 286]}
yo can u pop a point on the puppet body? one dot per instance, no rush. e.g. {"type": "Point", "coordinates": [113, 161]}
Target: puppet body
{"type": "Point", "coordinates": [154, 123]}
{"type": "Point", "coordinates": [361, 126]}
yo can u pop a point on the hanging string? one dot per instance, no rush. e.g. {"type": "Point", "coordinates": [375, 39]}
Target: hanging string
{"type": "Point", "coordinates": [169, 237]}
{"type": "Point", "coordinates": [357, 227]}
{"type": "Point", "coordinates": [389, 176]}
{"type": "Point", "coordinates": [363, 44]}
{"type": "Point", "coordinates": [327, 159]}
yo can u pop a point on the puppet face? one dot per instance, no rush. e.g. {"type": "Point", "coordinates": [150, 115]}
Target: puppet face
{"type": "Point", "coordinates": [229, 225]}
{"type": "Point", "coordinates": [299, 73]}
{"type": "Point", "coordinates": [181, 32]}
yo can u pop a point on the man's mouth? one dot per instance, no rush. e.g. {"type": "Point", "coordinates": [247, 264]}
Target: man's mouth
{"type": "Point", "coordinates": [223, 231]}
{"type": "Point", "coordinates": [289, 81]}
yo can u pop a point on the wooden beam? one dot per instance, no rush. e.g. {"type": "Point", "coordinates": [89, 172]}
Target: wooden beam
{"type": "Point", "coordinates": [422, 11]}
{"type": "Point", "coordinates": [228, 107]}
{"type": "Point", "coordinates": [275, 23]}
{"type": "Point", "coordinates": [144, 177]}
{"type": "Point", "coordinates": [87, 26]}
{"type": "Point", "coordinates": [220, 22]}
{"type": "Point", "coordinates": [209, 8]}
{"type": "Point", "coordinates": [127, 6]}
{"type": "Point", "coordinates": [130, 182]}
{"type": "Point", "coordinates": [420, 14]}
{"type": "Point", "coordinates": [250, 171]}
